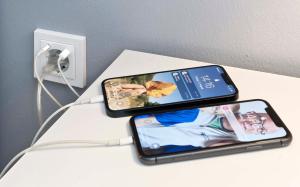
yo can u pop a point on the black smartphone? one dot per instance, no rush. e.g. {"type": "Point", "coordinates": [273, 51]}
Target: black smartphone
{"type": "Point", "coordinates": [162, 91]}
{"type": "Point", "coordinates": [213, 130]}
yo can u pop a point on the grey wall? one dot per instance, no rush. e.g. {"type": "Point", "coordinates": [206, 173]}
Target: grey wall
{"type": "Point", "coordinates": [258, 34]}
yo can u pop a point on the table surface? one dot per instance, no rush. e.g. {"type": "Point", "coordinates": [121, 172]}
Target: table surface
{"type": "Point", "coordinates": [119, 166]}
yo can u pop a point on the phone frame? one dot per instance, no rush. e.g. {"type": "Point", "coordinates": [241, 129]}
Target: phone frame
{"type": "Point", "coordinates": [238, 147]}
{"type": "Point", "coordinates": [169, 106]}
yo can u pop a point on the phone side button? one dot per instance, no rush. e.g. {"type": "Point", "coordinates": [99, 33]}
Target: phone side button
{"type": "Point", "coordinates": [255, 147]}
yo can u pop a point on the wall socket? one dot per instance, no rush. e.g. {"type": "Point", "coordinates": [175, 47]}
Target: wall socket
{"type": "Point", "coordinates": [75, 64]}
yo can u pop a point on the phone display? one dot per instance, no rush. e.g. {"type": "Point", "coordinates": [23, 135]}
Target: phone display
{"type": "Point", "coordinates": [177, 86]}
{"type": "Point", "coordinates": [206, 128]}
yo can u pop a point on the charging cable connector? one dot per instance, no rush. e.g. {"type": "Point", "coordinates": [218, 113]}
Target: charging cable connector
{"type": "Point", "coordinates": [39, 53]}
{"type": "Point", "coordinates": [62, 56]}
{"type": "Point", "coordinates": [44, 49]}
{"type": "Point", "coordinates": [92, 100]}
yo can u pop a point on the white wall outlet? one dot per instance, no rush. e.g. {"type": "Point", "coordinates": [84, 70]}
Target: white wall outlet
{"type": "Point", "coordinates": [76, 70]}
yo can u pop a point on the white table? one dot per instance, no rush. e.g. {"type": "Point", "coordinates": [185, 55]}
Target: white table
{"type": "Point", "coordinates": [119, 166]}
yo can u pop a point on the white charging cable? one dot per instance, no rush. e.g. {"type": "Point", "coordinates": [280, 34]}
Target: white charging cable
{"type": "Point", "coordinates": [62, 56]}
{"type": "Point", "coordinates": [41, 51]}
{"type": "Point", "coordinates": [92, 100]}
{"type": "Point", "coordinates": [107, 142]}
{"type": "Point", "coordinates": [39, 102]}
{"type": "Point", "coordinates": [46, 69]}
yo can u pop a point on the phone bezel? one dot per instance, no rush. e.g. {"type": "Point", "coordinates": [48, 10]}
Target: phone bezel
{"type": "Point", "coordinates": [218, 150]}
{"type": "Point", "coordinates": [169, 106]}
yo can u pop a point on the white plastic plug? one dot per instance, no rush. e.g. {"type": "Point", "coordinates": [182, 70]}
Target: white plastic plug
{"type": "Point", "coordinates": [64, 54]}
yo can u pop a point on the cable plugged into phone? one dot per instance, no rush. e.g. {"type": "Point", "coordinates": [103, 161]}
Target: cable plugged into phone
{"type": "Point", "coordinates": [92, 100]}
{"type": "Point", "coordinates": [96, 99]}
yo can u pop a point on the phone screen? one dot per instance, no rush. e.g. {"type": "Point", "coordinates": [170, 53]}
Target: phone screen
{"type": "Point", "coordinates": [166, 87]}
{"type": "Point", "coordinates": [201, 128]}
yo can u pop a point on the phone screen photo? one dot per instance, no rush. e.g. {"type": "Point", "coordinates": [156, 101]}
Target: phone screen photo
{"type": "Point", "coordinates": [201, 128]}
{"type": "Point", "coordinates": [160, 88]}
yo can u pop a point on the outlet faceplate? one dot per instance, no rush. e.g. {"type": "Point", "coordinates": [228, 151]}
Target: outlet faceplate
{"type": "Point", "coordinates": [76, 72]}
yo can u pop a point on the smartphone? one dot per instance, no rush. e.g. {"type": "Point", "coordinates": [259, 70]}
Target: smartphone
{"type": "Point", "coordinates": [162, 91]}
{"type": "Point", "coordinates": [214, 130]}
